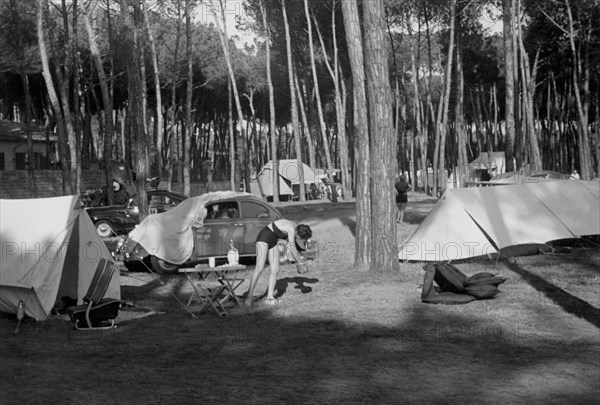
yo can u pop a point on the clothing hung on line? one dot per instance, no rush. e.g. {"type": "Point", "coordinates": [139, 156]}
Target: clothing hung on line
{"type": "Point", "coordinates": [270, 237]}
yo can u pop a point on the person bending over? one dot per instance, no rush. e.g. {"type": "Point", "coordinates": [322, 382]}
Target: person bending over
{"type": "Point", "coordinates": [266, 247]}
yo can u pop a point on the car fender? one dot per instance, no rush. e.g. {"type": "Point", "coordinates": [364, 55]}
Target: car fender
{"type": "Point", "coordinates": [131, 250]}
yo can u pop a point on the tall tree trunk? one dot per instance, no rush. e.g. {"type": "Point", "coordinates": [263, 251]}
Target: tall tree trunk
{"type": "Point", "coordinates": [419, 135]}
{"type": "Point", "coordinates": [461, 138]}
{"type": "Point", "coordinates": [53, 96]}
{"type": "Point", "coordinates": [106, 101]}
{"type": "Point", "coordinates": [340, 111]}
{"type": "Point", "coordinates": [231, 133]}
{"type": "Point", "coordinates": [220, 20]}
{"type": "Point", "coordinates": [330, 166]}
{"type": "Point", "coordinates": [294, 104]}
{"type": "Point", "coordinates": [303, 95]}
{"type": "Point", "coordinates": [28, 131]}
{"type": "Point", "coordinates": [363, 246]}
{"type": "Point", "coordinates": [428, 184]}
{"type": "Point", "coordinates": [272, 127]}
{"type": "Point", "coordinates": [442, 118]}
{"type": "Point", "coordinates": [28, 104]}
{"type": "Point", "coordinates": [138, 136]}
{"type": "Point", "coordinates": [305, 126]}
{"type": "Point", "coordinates": [528, 88]}
{"type": "Point", "coordinates": [172, 112]}
{"type": "Point", "coordinates": [384, 166]}
{"type": "Point", "coordinates": [596, 139]}
{"type": "Point", "coordinates": [159, 115]}
{"type": "Point", "coordinates": [187, 148]}
{"type": "Point", "coordinates": [582, 104]}
{"type": "Point", "coordinates": [509, 119]}
{"type": "Point", "coordinates": [63, 81]}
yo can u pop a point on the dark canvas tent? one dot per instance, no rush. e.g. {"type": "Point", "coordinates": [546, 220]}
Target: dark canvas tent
{"type": "Point", "coordinates": [50, 249]}
{"type": "Point", "coordinates": [471, 222]}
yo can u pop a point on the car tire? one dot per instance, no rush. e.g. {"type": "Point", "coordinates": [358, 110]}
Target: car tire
{"type": "Point", "coordinates": [162, 267]}
{"type": "Point", "coordinates": [104, 229]}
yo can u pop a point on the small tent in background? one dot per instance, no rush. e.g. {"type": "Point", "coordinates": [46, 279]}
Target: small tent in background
{"type": "Point", "coordinates": [262, 186]}
{"type": "Point", "coordinates": [486, 166]}
{"type": "Point", "coordinates": [472, 222]}
{"type": "Point", "coordinates": [50, 250]}
{"type": "Point", "coordinates": [288, 169]}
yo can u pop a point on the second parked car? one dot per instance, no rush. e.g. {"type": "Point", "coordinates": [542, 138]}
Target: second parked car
{"type": "Point", "coordinates": [111, 220]}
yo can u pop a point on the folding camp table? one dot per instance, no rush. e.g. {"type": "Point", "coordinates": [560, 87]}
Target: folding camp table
{"type": "Point", "coordinates": [214, 297]}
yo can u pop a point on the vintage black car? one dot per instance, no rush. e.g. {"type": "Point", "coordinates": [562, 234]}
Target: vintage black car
{"type": "Point", "coordinates": [111, 220]}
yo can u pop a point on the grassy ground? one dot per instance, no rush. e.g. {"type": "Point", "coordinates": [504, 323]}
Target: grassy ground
{"type": "Point", "coordinates": [338, 336]}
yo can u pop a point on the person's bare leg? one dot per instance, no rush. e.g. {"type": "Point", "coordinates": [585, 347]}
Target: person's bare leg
{"type": "Point", "coordinates": [401, 212]}
{"type": "Point", "coordinates": [262, 250]}
{"type": "Point", "coordinates": [274, 264]}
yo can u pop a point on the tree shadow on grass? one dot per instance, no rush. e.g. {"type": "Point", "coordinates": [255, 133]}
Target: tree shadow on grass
{"type": "Point", "coordinates": [568, 302]}
{"type": "Point", "coordinates": [350, 224]}
{"type": "Point", "coordinates": [430, 354]}
{"type": "Point", "coordinates": [417, 211]}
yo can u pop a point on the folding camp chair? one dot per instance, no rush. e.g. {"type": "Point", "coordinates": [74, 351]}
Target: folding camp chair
{"type": "Point", "coordinates": [97, 312]}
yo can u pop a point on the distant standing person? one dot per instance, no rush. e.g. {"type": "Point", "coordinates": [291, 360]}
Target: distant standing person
{"type": "Point", "coordinates": [402, 188]}
{"type": "Point", "coordinates": [266, 247]}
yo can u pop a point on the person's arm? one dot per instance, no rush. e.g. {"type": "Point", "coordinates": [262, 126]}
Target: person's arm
{"type": "Point", "coordinates": [301, 262]}
{"type": "Point", "coordinates": [290, 228]}
{"type": "Point", "coordinates": [298, 258]}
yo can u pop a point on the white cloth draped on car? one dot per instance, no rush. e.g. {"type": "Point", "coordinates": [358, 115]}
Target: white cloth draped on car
{"type": "Point", "coordinates": [169, 235]}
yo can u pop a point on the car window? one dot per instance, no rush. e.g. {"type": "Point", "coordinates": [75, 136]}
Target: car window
{"type": "Point", "coordinates": [254, 210]}
{"type": "Point", "coordinates": [155, 200]}
{"type": "Point", "coordinates": [222, 210]}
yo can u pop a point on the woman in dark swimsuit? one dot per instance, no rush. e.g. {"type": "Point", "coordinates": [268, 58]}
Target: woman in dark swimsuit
{"type": "Point", "coordinates": [266, 247]}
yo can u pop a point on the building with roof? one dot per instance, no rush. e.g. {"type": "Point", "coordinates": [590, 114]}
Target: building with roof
{"type": "Point", "coordinates": [13, 146]}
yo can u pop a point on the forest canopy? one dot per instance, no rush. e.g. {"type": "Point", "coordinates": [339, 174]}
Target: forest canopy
{"type": "Point", "coordinates": [158, 84]}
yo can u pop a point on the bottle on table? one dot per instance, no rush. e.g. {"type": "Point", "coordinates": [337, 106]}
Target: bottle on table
{"type": "Point", "coordinates": [233, 256]}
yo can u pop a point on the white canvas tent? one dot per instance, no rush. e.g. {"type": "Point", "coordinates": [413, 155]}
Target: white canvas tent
{"type": "Point", "coordinates": [492, 163]}
{"type": "Point", "coordinates": [288, 168]}
{"type": "Point", "coordinates": [50, 249]}
{"type": "Point", "coordinates": [262, 186]}
{"type": "Point", "coordinates": [471, 222]}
